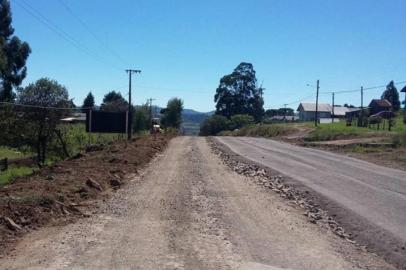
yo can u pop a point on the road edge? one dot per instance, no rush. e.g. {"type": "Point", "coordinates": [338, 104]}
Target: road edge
{"type": "Point", "coordinates": [321, 210]}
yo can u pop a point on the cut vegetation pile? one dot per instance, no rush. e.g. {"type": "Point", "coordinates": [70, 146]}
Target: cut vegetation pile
{"type": "Point", "coordinates": [58, 193]}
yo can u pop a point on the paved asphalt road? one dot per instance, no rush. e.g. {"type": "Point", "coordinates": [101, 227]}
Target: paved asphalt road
{"type": "Point", "coordinates": [377, 194]}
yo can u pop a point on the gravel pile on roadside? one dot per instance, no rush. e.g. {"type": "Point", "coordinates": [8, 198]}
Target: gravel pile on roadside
{"type": "Point", "coordinates": [275, 182]}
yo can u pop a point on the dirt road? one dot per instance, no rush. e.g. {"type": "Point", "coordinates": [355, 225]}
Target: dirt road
{"type": "Point", "coordinates": [369, 197]}
{"type": "Point", "coordinates": [189, 211]}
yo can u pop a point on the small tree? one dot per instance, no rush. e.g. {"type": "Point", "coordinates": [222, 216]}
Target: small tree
{"type": "Point", "coordinates": [13, 55]}
{"type": "Point", "coordinates": [88, 102]}
{"type": "Point", "coordinates": [39, 123]}
{"type": "Point", "coordinates": [240, 120]}
{"type": "Point", "coordinates": [392, 95]}
{"type": "Point", "coordinates": [172, 114]}
{"type": "Point", "coordinates": [140, 122]}
{"type": "Point", "coordinates": [114, 102]}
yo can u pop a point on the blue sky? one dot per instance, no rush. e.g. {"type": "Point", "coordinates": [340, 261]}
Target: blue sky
{"type": "Point", "coordinates": [184, 47]}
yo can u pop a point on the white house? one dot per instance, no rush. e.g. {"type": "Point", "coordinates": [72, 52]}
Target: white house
{"type": "Point", "coordinates": [307, 111]}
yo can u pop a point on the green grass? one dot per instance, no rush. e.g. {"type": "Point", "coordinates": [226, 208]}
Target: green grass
{"type": "Point", "coordinates": [10, 153]}
{"type": "Point", "coordinates": [266, 130]}
{"type": "Point", "coordinates": [326, 132]}
{"type": "Point", "coordinates": [77, 138]}
{"type": "Point", "coordinates": [14, 172]}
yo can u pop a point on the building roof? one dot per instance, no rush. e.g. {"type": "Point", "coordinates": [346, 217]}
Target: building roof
{"type": "Point", "coordinates": [287, 117]}
{"type": "Point", "coordinates": [381, 103]}
{"type": "Point", "coordinates": [75, 117]}
{"type": "Point", "coordinates": [311, 107]}
{"type": "Point", "coordinates": [341, 111]}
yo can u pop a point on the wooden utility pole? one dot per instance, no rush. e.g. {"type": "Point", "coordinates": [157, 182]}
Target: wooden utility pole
{"type": "Point", "coordinates": [129, 122]}
{"type": "Point", "coordinates": [150, 112]}
{"type": "Point", "coordinates": [284, 112]}
{"type": "Point", "coordinates": [332, 111]}
{"type": "Point", "coordinates": [316, 118]}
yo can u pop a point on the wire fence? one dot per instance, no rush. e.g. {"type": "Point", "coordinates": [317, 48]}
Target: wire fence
{"type": "Point", "coordinates": [47, 133]}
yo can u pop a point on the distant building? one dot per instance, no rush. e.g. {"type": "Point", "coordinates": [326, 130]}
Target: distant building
{"type": "Point", "coordinates": [341, 112]}
{"type": "Point", "coordinates": [307, 111]}
{"type": "Point", "coordinates": [379, 105]}
{"type": "Point", "coordinates": [281, 118]}
{"type": "Point", "coordinates": [75, 118]}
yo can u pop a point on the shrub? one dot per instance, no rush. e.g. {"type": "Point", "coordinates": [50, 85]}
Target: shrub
{"type": "Point", "coordinates": [399, 139]}
{"type": "Point", "coordinates": [213, 125]}
{"type": "Point", "coordinates": [240, 120]}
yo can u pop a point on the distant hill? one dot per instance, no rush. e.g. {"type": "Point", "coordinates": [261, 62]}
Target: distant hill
{"type": "Point", "coordinates": [192, 120]}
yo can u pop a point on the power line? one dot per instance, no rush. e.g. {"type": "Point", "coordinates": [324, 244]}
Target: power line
{"type": "Point", "coordinates": [42, 107]}
{"type": "Point", "coordinates": [343, 91]}
{"type": "Point", "coordinates": [87, 28]}
{"type": "Point", "coordinates": [365, 88]}
{"type": "Point", "coordinates": [300, 100]}
{"type": "Point", "coordinates": [60, 32]}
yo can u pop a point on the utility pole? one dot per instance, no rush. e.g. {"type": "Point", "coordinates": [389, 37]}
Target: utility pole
{"type": "Point", "coordinates": [317, 104]}
{"type": "Point", "coordinates": [362, 98]}
{"type": "Point", "coordinates": [332, 117]}
{"type": "Point", "coordinates": [129, 124]}
{"type": "Point", "coordinates": [150, 112]}
{"type": "Point", "coordinates": [284, 112]}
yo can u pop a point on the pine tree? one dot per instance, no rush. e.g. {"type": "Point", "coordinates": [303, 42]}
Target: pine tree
{"type": "Point", "coordinates": [392, 95]}
{"type": "Point", "coordinates": [88, 102]}
{"type": "Point", "coordinates": [13, 55]}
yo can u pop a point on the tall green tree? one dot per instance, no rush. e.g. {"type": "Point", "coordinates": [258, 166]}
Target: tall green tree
{"type": "Point", "coordinates": [172, 114]}
{"type": "Point", "coordinates": [392, 95]}
{"type": "Point", "coordinates": [88, 102]}
{"type": "Point", "coordinates": [141, 119]}
{"type": "Point", "coordinates": [39, 123]}
{"type": "Point", "coordinates": [13, 55]}
{"type": "Point", "coordinates": [114, 102]}
{"type": "Point", "coordinates": [238, 93]}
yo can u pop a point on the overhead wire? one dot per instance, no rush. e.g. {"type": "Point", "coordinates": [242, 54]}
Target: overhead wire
{"type": "Point", "coordinates": [61, 33]}
{"type": "Point", "coordinates": [42, 107]}
{"type": "Point", "coordinates": [365, 88]}
{"type": "Point", "coordinates": [343, 91]}
{"type": "Point", "coordinates": [96, 37]}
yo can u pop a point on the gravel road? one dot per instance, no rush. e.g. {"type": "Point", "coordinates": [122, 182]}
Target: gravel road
{"type": "Point", "coordinates": [187, 210]}
{"type": "Point", "coordinates": [369, 198]}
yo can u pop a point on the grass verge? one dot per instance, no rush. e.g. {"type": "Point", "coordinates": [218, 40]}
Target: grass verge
{"type": "Point", "coordinates": [267, 131]}
{"type": "Point", "coordinates": [14, 172]}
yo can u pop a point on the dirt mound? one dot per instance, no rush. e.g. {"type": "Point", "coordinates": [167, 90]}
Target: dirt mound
{"type": "Point", "coordinates": [63, 192]}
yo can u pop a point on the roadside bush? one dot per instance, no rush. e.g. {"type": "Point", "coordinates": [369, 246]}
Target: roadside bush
{"type": "Point", "coordinates": [239, 120]}
{"type": "Point", "coordinates": [213, 125]}
{"type": "Point", "coordinates": [399, 139]}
